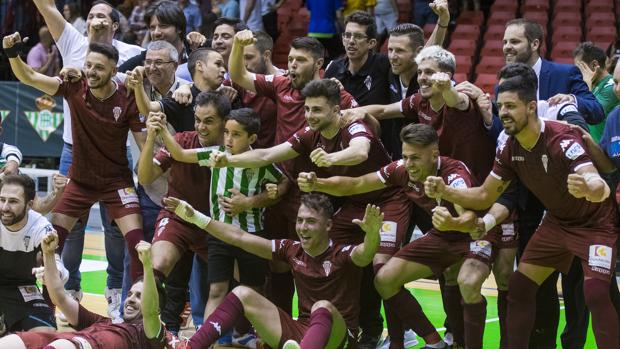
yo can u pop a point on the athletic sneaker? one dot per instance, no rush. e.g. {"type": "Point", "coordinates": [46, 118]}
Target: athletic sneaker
{"type": "Point", "coordinates": [113, 296]}
{"type": "Point", "coordinates": [442, 345]}
{"type": "Point", "coordinates": [448, 338]}
{"type": "Point", "coordinates": [77, 295]}
{"type": "Point", "coordinates": [368, 342]}
{"type": "Point", "coordinates": [247, 340]}
{"type": "Point", "coordinates": [225, 339]}
{"type": "Point", "coordinates": [411, 340]}
{"type": "Point", "coordinates": [181, 343]}
{"type": "Point", "coordinates": [291, 344]}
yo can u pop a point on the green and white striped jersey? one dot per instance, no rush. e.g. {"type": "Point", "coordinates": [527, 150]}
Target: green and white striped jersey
{"type": "Point", "coordinates": [249, 182]}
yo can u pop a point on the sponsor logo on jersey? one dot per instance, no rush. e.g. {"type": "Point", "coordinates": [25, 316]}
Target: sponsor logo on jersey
{"type": "Point", "coordinates": [518, 158]}
{"type": "Point", "coordinates": [288, 98]}
{"type": "Point", "coordinates": [565, 143]}
{"type": "Point", "coordinates": [481, 248]}
{"type": "Point", "coordinates": [356, 128]}
{"type": "Point", "coordinates": [299, 262]}
{"type": "Point", "coordinates": [575, 151]}
{"type": "Point", "coordinates": [388, 233]}
{"type": "Point", "coordinates": [424, 116]}
{"type": "Point", "coordinates": [600, 256]}
{"type": "Point", "coordinates": [269, 78]}
{"type": "Point", "coordinates": [327, 267]}
{"type": "Point", "coordinates": [116, 111]}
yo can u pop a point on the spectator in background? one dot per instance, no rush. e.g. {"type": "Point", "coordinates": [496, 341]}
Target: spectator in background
{"type": "Point", "coordinates": [270, 16]}
{"type": "Point", "coordinates": [193, 16]}
{"type": "Point", "coordinates": [590, 60]}
{"type": "Point", "coordinates": [44, 57]}
{"type": "Point", "coordinates": [325, 25]}
{"type": "Point", "coordinates": [251, 11]}
{"type": "Point", "coordinates": [136, 20]}
{"type": "Point", "coordinates": [225, 8]}
{"type": "Point", "coordinates": [359, 5]}
{"type": "Point", "coordinates": [71, 12]}
{"type": "Point", "coordinates": [386, 16]}
{"type": "Point", "coordinates": [422, 13]}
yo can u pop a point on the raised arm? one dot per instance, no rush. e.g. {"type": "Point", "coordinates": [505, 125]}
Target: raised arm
{"type": "Point", "coordinates": [147, 170]}
{"type": "Point", "coordinates": [25, 73]}
{"type": "Point", "coordinates": [340, 186]}
{"type": "Point", "coordinates": [53, 18]}
{"type": "Point", "coordinates": [355, 153]}
{"type": "Point", "coordinates": [477, 198]}
{"type": "Point", "coordinates": [176, 151]}
{"type": "Point", "coordinates": [255, 158]}
{"type": "Point", "coordinates": [150, 296]}
{"type": "Point", "coordinates": [45, 204]}
{"type": "Point", "coordinates": [236, 65]}
{"type": "Point", "coordinates": [440, 7]}
{"type": "Point", "coordinates": [135, 81]}
{"type": "Point", "coordinates": [55, 287]}
{"type": "Point", "coordinates": [451, 96]}
{"type": "Point", "coordinates": [228, 233]}
{"type": "Point", "coordinates": [371, 225]}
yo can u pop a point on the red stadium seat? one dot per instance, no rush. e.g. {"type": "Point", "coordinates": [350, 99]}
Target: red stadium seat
{"type": "Point", "coordinates": [602, 36]}
{"type": "Point", "coordinates": [500, 18]}
{"type": "Point", "coordinates": [505, 6]}
{"type": "Point", "coordinates": [600, 19]}
{"type": "Point", "coordinates": [536, 5]}
{"type": "Point", "coordinates": [460, 77]}
{"type": "Point", "coordinates": [490, 64]}
{"type": "Point", "coordinates": [463, 64]}
{"type": "Point", "coordinates": [541, 18]}
{"type": "Point", "coordinates": [599, 6]}
{"type": "Point", "coordinates": [564, 49]}
{"type": "Point", "coordinates": [463, 47]}
{"type": "Point", "coordinates": [572, 34]}
{"type": "Point", "coordinates": [567, 6]}
{"type": "Point", "coordinates": [466, 31]}
{"type": "Point", "coordinates": [492, 48]}
{"type": "Point", "coordinates": [471, 17]}
{"type": "Point", "coordinates": [486, 82]}
{"type": "Point", "coordinates": [495, 33]}
{"type": "Point", "coordinates": [566, 19]}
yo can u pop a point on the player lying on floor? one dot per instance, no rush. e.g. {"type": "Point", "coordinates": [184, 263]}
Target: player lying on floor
{"type": "Point", "coordinates": [327, 278]}
{"type": "Point", "coordinates": [141, 329]}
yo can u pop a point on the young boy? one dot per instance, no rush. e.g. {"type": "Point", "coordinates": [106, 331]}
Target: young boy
{"type": "Point", "coordinates": [231, 189]}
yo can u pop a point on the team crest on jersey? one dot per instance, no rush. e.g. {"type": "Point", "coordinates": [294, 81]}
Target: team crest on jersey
{"type": "Point", "coordinates": [574, 151]}
{"type": "Point", "coordinates": [288, 98]}
{"type": "Point", "coordinates": [26, 241]}
{"type": "Point", "coordinates": [368, 82]}
{"type": "Point", "coordinates": [116, 111]}
{"type": "Point", "coordinates": [545, 161]}
{"type": "Point", "coordinates": [424, 116]}
{"type": "Point", "coordinates": [327, 267]}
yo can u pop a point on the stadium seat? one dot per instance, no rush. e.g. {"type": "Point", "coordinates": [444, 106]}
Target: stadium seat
{"type": "Point", "coordinates": [490, 64]}
{"type": "Point", "coordinates": [567, 33]}
{"type": "Point", "coordinates": [541, 18]}
{"type": "Point", "coordinates": [599, 6]}
{"type": "Point", "coordinates": [494, 33]}
{"type": "Point", "coordinates": [463, 47]}
{"type": "Point", "coordinates": [463, 64]}
{"type": "Point", "coordinates": [466, 31]}
{"type": "Point", "coordinates": [602, 36]}
{"type": "Point", "coordinates": [535, 5]}
{"type": "Point", "coordinates": [567, 6]}
{"type": "Point", "coordinates": [600, 19]}
{"type": "Point", "coordinates": [564, 49]}
{"type": "Point", "coordinates": [460, 77]}
{"type": "Point", "coordinates": [486, 82]}
{"type": "Point", "coordinates": [492, 48]}
{"type": "Point", "coordinates": [566, 19]}
{"type": "Point", "coordinates": [505, 6]}
{"type": "Point", "coordinates": [500, 18]}
{"type": "Point", "coordinates": [471, 17]}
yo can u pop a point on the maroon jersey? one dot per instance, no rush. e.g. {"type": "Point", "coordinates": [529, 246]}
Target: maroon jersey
{"type": "Point", "coordinates": [544, 170]}
{"type": "Point", "coordinates": [99, 129]}
{"type": "Point", "coordinates": [330, 276]}
{"type": "Point", "coordinates": [306, 140]}
{"type": "Point", "coordinates": [101, 333]}
{"type": "Point", "coordinates": [290, 103]}
{"type": "Point", "coordinates": [266, 108]}
{"type": "Point", "coordinates": [453, 172]}
{"type": "Point", "coordinates": [462, 135]}
{"type": "Point", "coordinates": [189, 182]}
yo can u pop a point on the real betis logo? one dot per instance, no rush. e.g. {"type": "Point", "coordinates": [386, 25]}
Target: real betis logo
{"type": "Point", "coordinates": [44, 121]}
{"type": "Point", "coordinates": [4, 114]}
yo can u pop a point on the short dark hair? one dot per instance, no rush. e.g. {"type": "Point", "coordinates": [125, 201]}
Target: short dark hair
{"type": "Point", "coordinates": [114, 14]}
{"type": "Point", "coordinates": [323, 88]}
{"type": "Point", "coordinates": [167, 12]}
{"type": "Point", "coordinates": [319, 203]}
{"type": "Point", "coordinates": [521, 85]}
{"type": "Point", "coordinates": [365, 19]}
{"type": "Point", "coordinates": [312, 45]}
{"type": "Point", "coordinates": [237, 24]}
{"type": "Point", "coordinates": [419, 134]}
{"type": "Point", "coordinates": [201, 54]}
{"type": "Point", "coordinates": [518, 69]}
{"type": "Point", "coordinates": [74, 9]}
{"type": "Point", "coordinates": [161, 291]}
{"type": "Point", "coordinates": [263, 42]}
{"type": "Point", "coordinates": [412, 31]}
{"type": "Point", "coordinates": [588, 52]}
{"type": "Point", "coordinates": [532, 29]}
{"type": "Point", "coordinates": [247, 118]}
{"type": "Point", "coordinates": [105, 49]}
{"type": "Point", "coordinates": [24, 181]}
{"type": "Point", "coordinates": [217, 100]}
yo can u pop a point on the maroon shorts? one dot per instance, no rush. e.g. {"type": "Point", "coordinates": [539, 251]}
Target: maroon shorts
{"type": "Point", "coordinates": [555, 246]}
{"type": "Point", "coordinates": [77, 200]}
{"type": "Point", "coordinates": [183, 235]}
{"type": "Point", "coordinates": [39, 340]}
{"type": "Point", "coordinates": [438, 253]}
{"type": "Point", "coordinates": [396, 210]}
{"type": "Point", "coordinates": [503, 236]}
{"type": "Point", "coordinates": [295, 330]}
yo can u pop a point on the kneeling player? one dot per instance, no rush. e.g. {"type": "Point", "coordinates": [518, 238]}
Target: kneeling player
{"type": "Point", "coordinates": [327, 278]}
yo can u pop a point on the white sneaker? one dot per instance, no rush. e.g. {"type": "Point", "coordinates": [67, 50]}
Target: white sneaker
{"type": "Point", "coordinates": [291, 344]}
{"type": "Point", "coordinates": [113, 296]}
{"type": "Point", "coordinates": [411, 340]}
{"type": "Point", "coordinates": [77, 295]}
{"type": "Point", "coordinates": [448, 338]}
{"type": "Point", "coordinates": [247, 340]}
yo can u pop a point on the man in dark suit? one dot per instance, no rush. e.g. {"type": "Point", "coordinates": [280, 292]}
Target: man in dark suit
{"type": "Point", "coordinates": [557, 83]}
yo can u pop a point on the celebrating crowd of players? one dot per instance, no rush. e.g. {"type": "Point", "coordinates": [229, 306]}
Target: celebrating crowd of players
{"type": "Point", "coordinates": [255, 181]}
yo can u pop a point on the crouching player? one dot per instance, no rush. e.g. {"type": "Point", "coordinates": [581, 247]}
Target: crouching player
{"type": "Point", "coordinates": [327, 278]}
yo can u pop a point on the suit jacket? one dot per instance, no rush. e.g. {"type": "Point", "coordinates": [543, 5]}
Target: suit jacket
{"type": "Point", "coordinates": [566, 78]}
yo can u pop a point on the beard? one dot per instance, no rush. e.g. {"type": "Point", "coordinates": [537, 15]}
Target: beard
{"type": "Point", "coordinates": [13, 218]}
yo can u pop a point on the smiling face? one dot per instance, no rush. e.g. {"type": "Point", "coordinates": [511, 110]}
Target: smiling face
{"type": "Point", "coordinates": [302, 67]}
{"type": "Point", "coordinates": [132, 309]}
{"type": "Point", "coordinates": [426, 69]}
{"type": "Point", "coordinates": [208, 124]}
{"type": "Point", "coordinates": [236, 139]}
{"type": "Point", "coordinates": [99, 22]}
{"type": "Point", "coordinates": [99, 70]}
{"type": "Point", "coordinates": [13, 205]}
{"type": "Point", "coordinates": [420, 161]}
{"type": "Point", "coordinates": [401, 55]}
{"type": "Point", "coordinates": [312, 227]}
{"type": "Point", "coordinates": [516, 47]}
{"type": "Point", "coordinates": [163, 31]}
{"type": "Point", "coordinates": [513, 112]}
{"type": "Point", "coordinates": [223, 38]}
{"type": "Point", "coordinates": [319, 113]}
{"type": "Point", "coordinates": [358, 45]}
{"type": "Point", "coordinates": [158, 67]}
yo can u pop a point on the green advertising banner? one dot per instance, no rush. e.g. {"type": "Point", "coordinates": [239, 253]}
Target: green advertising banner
{"type": "Point", "coordinates": [31, 120]}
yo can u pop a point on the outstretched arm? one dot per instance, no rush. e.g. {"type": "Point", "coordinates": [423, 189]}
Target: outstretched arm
{"type": "Point", "coordinates": [150, 296]}
{"type": "Point", "coordinates": [24, 72]}
{"type": "Point", "coordinates": [477, 198]}
{"type": "Point", "coordinates": [355, 153]}
{"type": "Point", "coordinates": [340, 186]}
{"type": "Point", "coordinates": [371, 225]}
{"type": "Point", "coordinates": [54, 20]}
{"type": "Point", "coordinates": [228, 233]}
{"type": "Point", "coordinates": [176, 151]}
{"type": "Point", "coordinates": [451, 96]}
{"type": "Point", "coordinates": [236, 65]}
{"type": "Point", "coordinates": [255, 158]}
